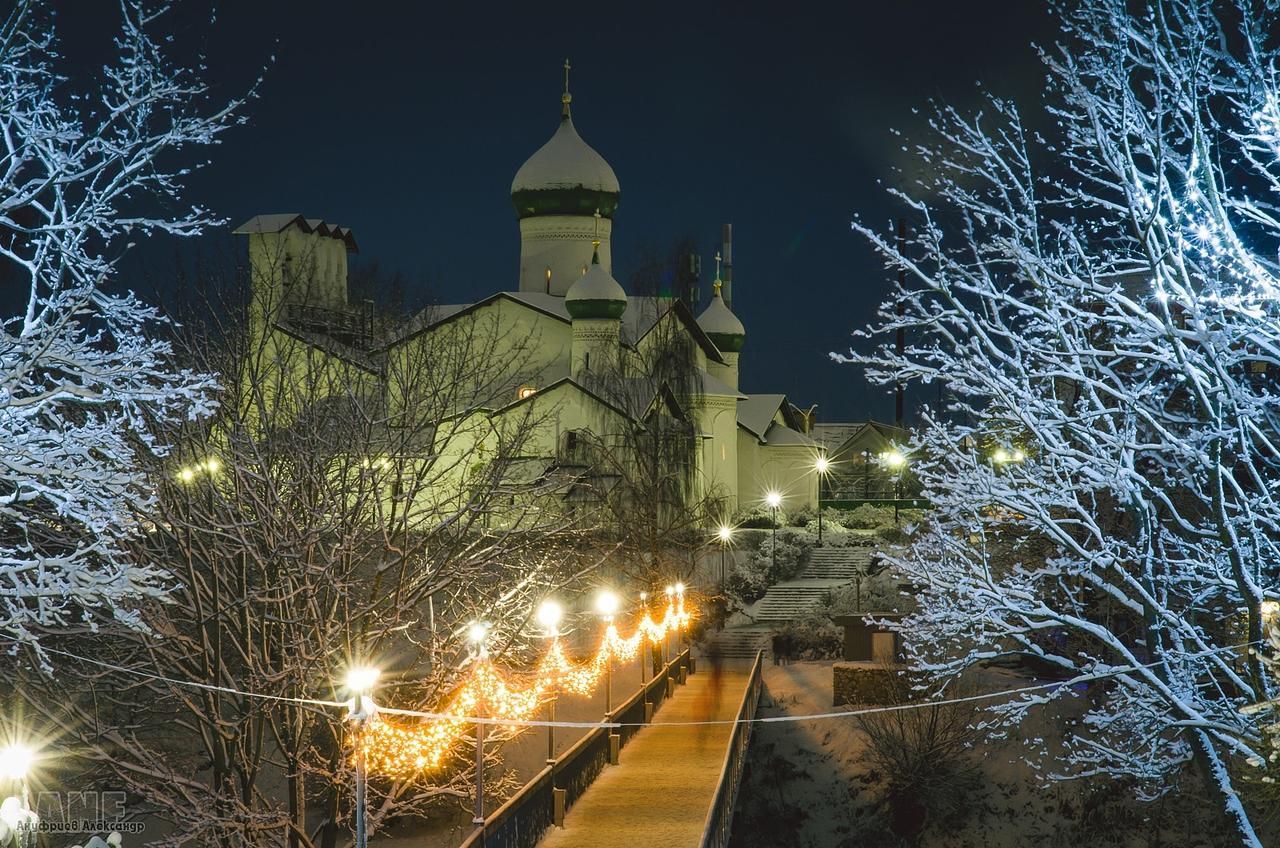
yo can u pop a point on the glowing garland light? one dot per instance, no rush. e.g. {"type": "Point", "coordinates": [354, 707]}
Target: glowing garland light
{"type": "Point", "coordinates": [401, 749]}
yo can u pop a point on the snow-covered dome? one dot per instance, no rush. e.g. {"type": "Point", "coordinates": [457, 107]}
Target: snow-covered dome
{"type": "Point", "coordinates": [565, 177]}
{"type": "Point", "coordinates": [596, 294]}
{"type": "Point", "coordinates": [721, 325]}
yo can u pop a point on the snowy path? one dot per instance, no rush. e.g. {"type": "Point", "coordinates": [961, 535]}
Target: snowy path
{"type": "Point", "coordinates": [660, 792]}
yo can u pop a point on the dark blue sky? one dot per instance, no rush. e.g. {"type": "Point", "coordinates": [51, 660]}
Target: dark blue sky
{"type": "Point", "coordinates": [407, 122]}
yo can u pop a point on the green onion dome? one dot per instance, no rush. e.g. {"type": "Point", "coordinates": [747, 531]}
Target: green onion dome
{"type": "Point", "coordinates": [565, 177]}
{"type": "Point", "coordinates": [596, 294]}
{"type": "Point", "coordinates": [721, 325]}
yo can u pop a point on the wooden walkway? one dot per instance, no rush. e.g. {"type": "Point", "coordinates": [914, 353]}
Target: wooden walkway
{"type": "Point", "coordinates": [661, 790]}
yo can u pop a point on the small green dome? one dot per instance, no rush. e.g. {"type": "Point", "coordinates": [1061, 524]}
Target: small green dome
{"type": "Point", "coordinates": [721, 325]}
{"type": "Point", "coordinates": [596, 294]}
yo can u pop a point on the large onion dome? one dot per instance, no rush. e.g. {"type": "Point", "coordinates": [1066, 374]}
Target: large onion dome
{"type": "Point", "coordinates": [565, 177]}
{"type": "Point", "coordinates": [596, 294]}
{"type": "Point", "coordinates": [721, 325]}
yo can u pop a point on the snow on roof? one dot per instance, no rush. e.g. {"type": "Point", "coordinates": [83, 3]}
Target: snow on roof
{"type": "Point", "coordinates": [281, 221]}
{"type": "Point", "coordinates": [712, 386]}
{"type": "Point", "coordinates": [565, 162]}
{"type": "Point", "coordinates": [778, 435]}
{"type": "Point", "coordinates": [757, 411]}
{"type": "Point", "coordinates": [833, 435]}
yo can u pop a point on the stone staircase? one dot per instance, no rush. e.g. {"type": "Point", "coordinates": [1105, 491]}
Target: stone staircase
{"type": "Point", "coordinates": [741, 643]}
{"type": "Point", "coordinates": [838, 563]}
{"type": "Point", "coordinates": [828, 569]}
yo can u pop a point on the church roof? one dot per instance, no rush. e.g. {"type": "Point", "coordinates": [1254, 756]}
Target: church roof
{"type": "Point", "coordinates": [641, 316]}
{"type": "Point", "coordinates": [565, 162]}
{"type": "Point", "coordinates": [596, 294]}
{"type": "Point", "coordinates": [719, 322]}
{"type": "Point", "coordinates": [757, 412]}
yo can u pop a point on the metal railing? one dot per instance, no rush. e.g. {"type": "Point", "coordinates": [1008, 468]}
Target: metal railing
{"type": "Point", "coordinates": [715, 834]}
{"type": "Point", "coordinates": [522, 820]}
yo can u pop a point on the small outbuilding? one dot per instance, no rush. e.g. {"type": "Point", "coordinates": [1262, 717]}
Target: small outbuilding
{"type": "Point", "coordinates": [871, 637]}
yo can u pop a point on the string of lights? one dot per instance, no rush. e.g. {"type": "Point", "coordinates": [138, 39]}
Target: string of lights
{"type": "Point", "coordinates": [401, 749]}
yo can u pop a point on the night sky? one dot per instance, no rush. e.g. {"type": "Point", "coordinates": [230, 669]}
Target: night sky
{"type": "Point", "coordinates": [407, 122]}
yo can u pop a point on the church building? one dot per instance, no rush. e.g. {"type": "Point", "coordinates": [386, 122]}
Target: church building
{"type": "Point", "coordinates": [594, 371]}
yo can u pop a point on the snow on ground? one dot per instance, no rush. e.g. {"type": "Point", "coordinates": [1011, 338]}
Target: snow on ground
{"type": "Point", "coordinates": [809, 784]}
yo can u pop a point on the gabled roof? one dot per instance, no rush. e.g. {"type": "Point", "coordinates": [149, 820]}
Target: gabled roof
{"type": "Point", "coordinates": [856, 432]}
{"type": "Point", "coordinates": [755, 414]}
{"type": "Point", "coordinates": [642, 315]}
{"type": "Point", "coordinates": [778, 435]}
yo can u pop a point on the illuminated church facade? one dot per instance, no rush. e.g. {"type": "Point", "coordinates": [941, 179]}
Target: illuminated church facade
{"type": "Point", "coordinates": [567, 354]}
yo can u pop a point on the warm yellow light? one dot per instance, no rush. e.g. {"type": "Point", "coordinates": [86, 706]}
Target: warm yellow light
{"type": "Point", "coordinates": [1270, 609]}
{"type": "Point", "coordinates": [361, 679]}
{"type": "Point", "coordinates": [526, 392]}
{"type": "Point", "coordinates": [773, 499]}
{"type": "Point", "coordinates": [822, 465]}
{"type": "Point", "coordinates": [679, 588]}
{"type": "Point", "coordinates": [1018, 456]}
{"type": "Point", "coordinates": [893, 459]}
{"type": "Point", "coordinates": [549, 616]}
{"type": "Point", "coordinates": [477, 632]}
{"type": "Point", "coordinates": [212, 465]}
{"type": "Point", "coordinates": [671, 590]}
{"type": "Point", "coordinates": [1001, 455]}
{"type": "Point", "coordinates": [402, 748]}
{"type": "Point", "coordinates": [725, 533]}
{"type": "Point", "coordinates": [186, 475]}
{"type": "Point", "coordinates": [607, 603]}
{"type": "Point", "coordinates": [15, 762]}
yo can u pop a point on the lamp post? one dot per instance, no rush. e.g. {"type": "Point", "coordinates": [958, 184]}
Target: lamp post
{"type": "Point", "coordinates": [15, 764]}
{"type": "Point", "coordinates": [895, 460]}
{"type": "Point", "coordinates": [550, 614]}
{"type": "Point", "coordinates": [360, 681]}
{"type": "Point", "coordinates": [666, 637]}
{"type": "Point", "coordinates": [476, 635]}
{"type": "Point", "coordinates": [725, 534]}
{"type": "Point", "coordinates": [607, 606]}
{"type": "Point", "coordinates": [646, 652]}
{"type": "Point", "coordinates": [682, 635]}
{"type": "Point", "coordinates": [774, 500]}
{"type": "Point", "coordinates": [821, 465]}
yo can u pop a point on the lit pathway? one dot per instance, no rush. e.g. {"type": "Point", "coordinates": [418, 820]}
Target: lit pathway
{"type": "Point", "coordinates": [660, 792]}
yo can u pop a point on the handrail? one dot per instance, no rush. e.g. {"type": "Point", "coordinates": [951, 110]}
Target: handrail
{"type": "Point", "coordinates": [526, 815]}
{"type": "Point", "coordinates": [716, 831]}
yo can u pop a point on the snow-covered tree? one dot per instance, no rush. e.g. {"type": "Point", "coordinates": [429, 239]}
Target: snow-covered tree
{"type": "Point", "coordinates": [83, 173]}
{"type": "Point", "coordinates": [1100, 305]}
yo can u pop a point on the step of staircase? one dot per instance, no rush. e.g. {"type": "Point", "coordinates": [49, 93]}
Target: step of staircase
{"type": "Point", "coordinates": [741, 642]}
{"type": "Point", "coordinates": [838, 563]}
{"type": "Point", "coordinates": [793, 599]}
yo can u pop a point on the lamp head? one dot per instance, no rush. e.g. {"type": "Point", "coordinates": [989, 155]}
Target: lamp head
{"type": "Point", "coordinates": [773, 499]}
{"type": "Point", "coordinates": [822, 465]}
{"type": "Point", "coordinates": [477, 633]}
{"type": "Point", "coordinates": [894, 459]}
{"type": "Point", "coordinates": [607, 603]}
{"type": "Point", "coordinates": [725, 533]}
{"type": "Point", "coordinates": [679, 588]}
{"type": "Point", "coordinates": [549, 615]}
{"type": "Point", "coordinates": [15, 761]}
{"type": "Point", "coordinates": [361, 679]}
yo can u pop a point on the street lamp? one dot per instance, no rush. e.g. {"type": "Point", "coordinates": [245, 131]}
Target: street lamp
{"type": "Point", "coordinates": [725, 534]}
{"type": "Point", "coordinates": [682, 634]}
{"type": "Point", "coordinates": [549, 616]}
{"type": "Point", "coordinates": [774, 500]}
{"type": "Point", "coordinates": [646, 651]}
{"type": "Point", "coordinates": [477, 633]}
{"type": "Point", "coordinates": [15, 763]}
{"type": "Point", "coordinates": [607, 605]}
{"type": "Point", "coordinates": [360, 681]}
{"type": "Point", "coordinates": [666, 638]}
{"type": "Point", "coordinates": [897, 461]}
{"type": "Point", "coordinates": [822, 465]}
